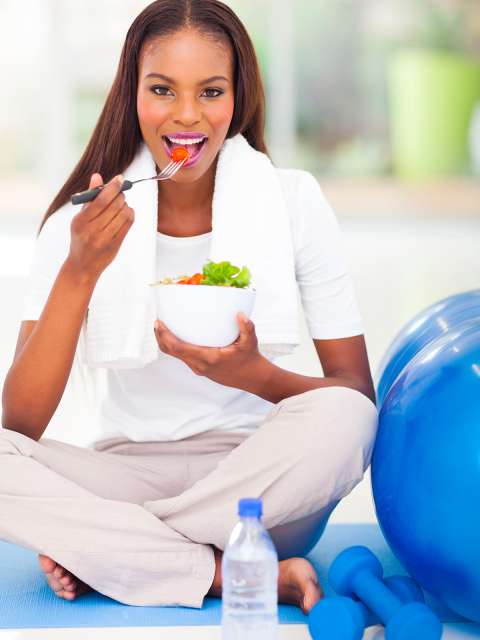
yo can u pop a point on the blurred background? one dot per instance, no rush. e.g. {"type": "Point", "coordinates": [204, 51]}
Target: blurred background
{"type": "Point", "coordinates": [380, 99]}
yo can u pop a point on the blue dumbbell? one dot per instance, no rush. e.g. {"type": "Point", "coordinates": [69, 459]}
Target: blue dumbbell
{"type": "Point", "coordinates": [356, 573]}
{"type": "Point", "coordinates": [346, 619]}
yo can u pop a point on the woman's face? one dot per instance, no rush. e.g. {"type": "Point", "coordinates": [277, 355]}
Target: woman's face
{"type": "Point", "coordinates": [185, 86]}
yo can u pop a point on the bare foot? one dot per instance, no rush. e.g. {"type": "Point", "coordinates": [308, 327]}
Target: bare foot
{"type": "Point", "coordinates": [63, 583]}
{"type": "Point", "coordinates": [297, 582]}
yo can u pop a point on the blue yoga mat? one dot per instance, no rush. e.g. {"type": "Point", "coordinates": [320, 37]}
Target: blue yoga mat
{"type": "Point", "coordinates": [26, 600]}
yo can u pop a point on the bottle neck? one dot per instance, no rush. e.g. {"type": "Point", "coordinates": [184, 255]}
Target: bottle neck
{"type": "Point", "coordinates": [251, 521]}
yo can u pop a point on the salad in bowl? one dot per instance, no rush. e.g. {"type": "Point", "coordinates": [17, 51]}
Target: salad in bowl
{"type": "Point", "coordinates": [205, 314]}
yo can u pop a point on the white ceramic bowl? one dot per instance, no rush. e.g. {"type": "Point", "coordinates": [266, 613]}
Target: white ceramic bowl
{"type": "Point", "coordinates": [202, 314]}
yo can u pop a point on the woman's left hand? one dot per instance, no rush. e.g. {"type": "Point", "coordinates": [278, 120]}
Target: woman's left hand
{"type": "Point", "coordinates": [232, 366]}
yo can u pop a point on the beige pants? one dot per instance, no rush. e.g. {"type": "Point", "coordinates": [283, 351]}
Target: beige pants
{"type": "Point", "coordinates": [137, 520]}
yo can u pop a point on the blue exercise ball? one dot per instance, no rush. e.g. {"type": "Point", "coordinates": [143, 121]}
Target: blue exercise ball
{"type": "Point", "coordinates": [428, 325]}
{"type": "Point", "coordinates": [426, 469]}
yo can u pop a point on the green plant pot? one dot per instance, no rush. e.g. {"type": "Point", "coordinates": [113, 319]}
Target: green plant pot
{"type": "Point", "coordinates": [432, 96]}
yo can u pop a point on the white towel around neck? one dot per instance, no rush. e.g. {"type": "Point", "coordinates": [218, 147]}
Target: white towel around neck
{"type": "Point", "coordinates": [250, 226]}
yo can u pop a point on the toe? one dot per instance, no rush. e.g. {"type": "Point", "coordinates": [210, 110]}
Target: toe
{"type": "Point", "coordinates": [69, 583]}
{"type": "Point", "coordinates": [54, 584]}
{"type": "Point", "coordinates": [313, 593]}
{"type": "Point", "coordinates": [59, 571]}
{"type": "Point", "coordinates": [46, 563]}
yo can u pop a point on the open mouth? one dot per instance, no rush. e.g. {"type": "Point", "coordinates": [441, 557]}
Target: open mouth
{"type": "Point", "coordinates": [194, 147]}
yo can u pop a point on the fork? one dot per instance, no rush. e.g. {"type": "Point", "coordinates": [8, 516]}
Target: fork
{"type": "Point", "coordinates": [169, 171]}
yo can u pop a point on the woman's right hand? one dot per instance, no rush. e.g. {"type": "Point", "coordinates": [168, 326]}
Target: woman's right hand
{"type": "Point", "coordinates": [98, 229]}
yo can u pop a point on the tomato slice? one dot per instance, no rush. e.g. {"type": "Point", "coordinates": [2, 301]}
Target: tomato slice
{"type": "Point", "coordinates": [197, 278]}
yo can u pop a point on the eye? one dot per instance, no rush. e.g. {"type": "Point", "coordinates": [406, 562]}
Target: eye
{"type": "Point", "coordinates": [159, 90]}
{"type": "Point", "coordinates": [218, 92]}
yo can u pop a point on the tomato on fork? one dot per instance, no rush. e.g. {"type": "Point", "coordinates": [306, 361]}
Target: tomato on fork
{"type": "Point", "coordinates": [179, 154]}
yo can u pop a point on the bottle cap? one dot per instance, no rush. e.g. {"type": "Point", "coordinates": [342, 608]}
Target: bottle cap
{"type": "Point", "coordinates": [250, 507]}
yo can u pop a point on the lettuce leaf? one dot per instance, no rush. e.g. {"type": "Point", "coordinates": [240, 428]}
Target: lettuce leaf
{"type": "Point", "coordinates": [225, 274]}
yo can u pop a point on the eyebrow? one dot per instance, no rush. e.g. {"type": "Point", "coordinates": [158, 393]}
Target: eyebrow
{"type": "Point", "coordinates": [172, 81]}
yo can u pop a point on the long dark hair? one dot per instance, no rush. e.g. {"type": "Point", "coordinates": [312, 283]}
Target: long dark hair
{"type": "Point", "coordinates": [117, 136]}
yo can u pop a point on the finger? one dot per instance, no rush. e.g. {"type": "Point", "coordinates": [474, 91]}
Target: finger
{"type": "Point", "coordinates": [194, 356]}
{"type": "Point", "coordinates": [161, 334]}
{"type": "Point", "coordinates": [169, 343]}
{"type": "Point", "coordinates": [104, 199]}
{"type": "Point", "coordinates": [99, 223]}
{"type": "Point", "coordinates": [242, 318]}
{"type": "Point", "coordinates": [246, 327]}
{"type": "Point", "coordinates": [120, 213]}
{"type": "Point", "coordinates": [96, 180]}
{"type": "Point", "coordinates": [124, 229]}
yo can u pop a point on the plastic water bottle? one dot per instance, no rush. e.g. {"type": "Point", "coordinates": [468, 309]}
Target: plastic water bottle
{"type": "Point", "coordinates": [249, 579]}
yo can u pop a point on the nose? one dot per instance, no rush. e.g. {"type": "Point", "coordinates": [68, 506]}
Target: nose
{"type": "Point", "coordinates": [187, 112]}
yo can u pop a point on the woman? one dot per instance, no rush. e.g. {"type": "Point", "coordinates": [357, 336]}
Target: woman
{"type": "Point", "coordinates": [143, 516]}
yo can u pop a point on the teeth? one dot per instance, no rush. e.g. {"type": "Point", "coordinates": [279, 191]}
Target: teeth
{"type": "Point", "coordinates": [186, 141]}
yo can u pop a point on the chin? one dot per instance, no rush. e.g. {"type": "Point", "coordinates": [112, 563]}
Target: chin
{"type": "Point", "coordinates": [191, 174]}
{"type": "Point", "coordinates": [186, 178]}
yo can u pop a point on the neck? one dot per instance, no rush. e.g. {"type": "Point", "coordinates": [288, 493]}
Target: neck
{"type": "Point", "coordinates": [186, 199]}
